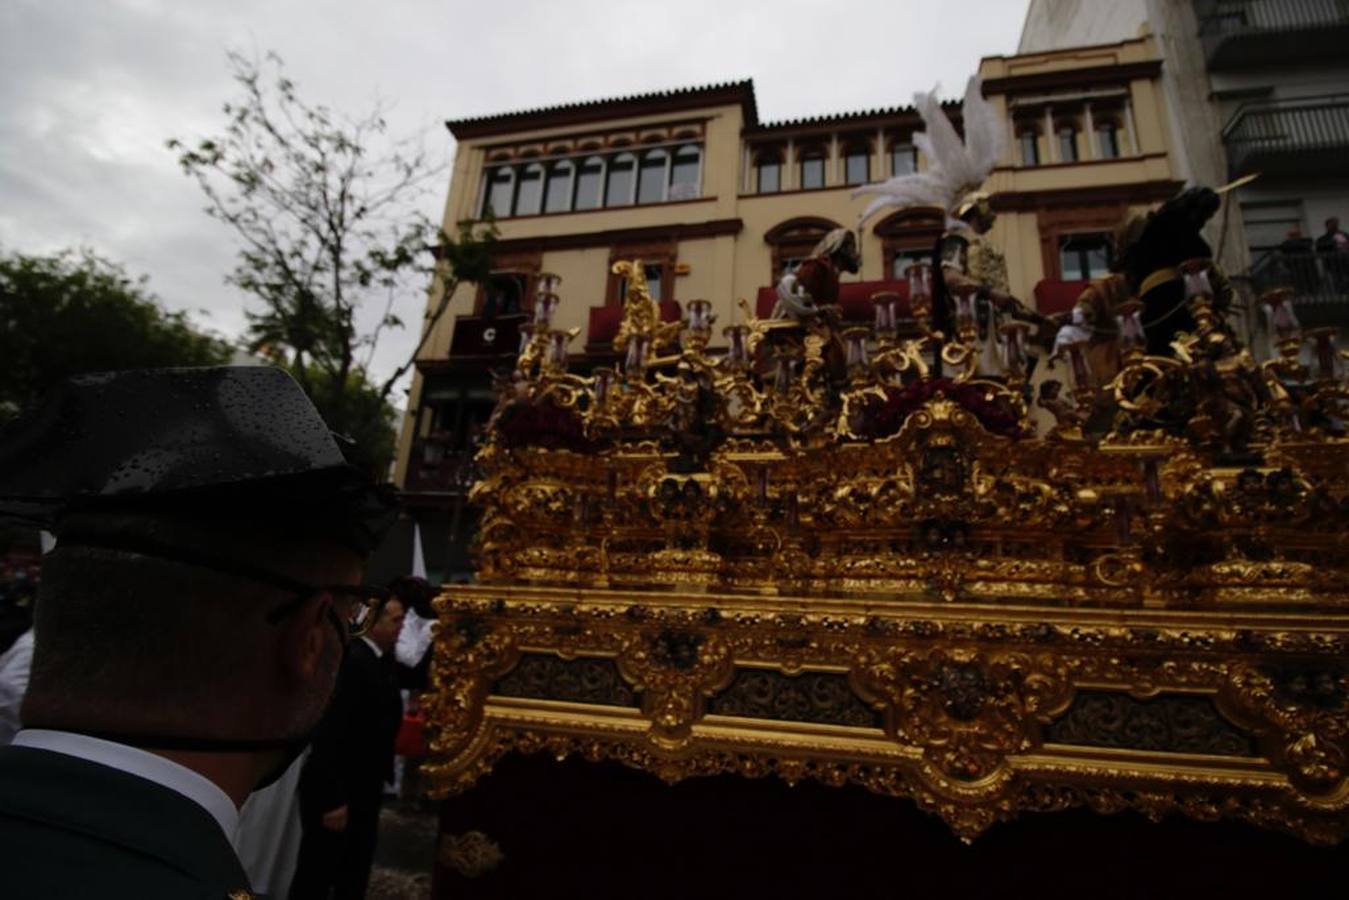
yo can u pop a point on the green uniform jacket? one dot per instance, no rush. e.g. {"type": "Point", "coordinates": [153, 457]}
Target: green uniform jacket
{"type": "Point", "coordinates": [70, 828]}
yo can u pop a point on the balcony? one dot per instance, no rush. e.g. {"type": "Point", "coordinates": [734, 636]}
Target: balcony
{"type": "Point", "coordinates": [1271, 32]}
{"type": "Point", "coordinates": [1320, 283]}
{"type": "Point", "coordinates": [605, 322]}
{"type": "Point", "coordinates": [1307, 136]}
{"type": "Point", "coordinates": [435, 467]}
{"type": "Point", "coordinates": [487, 336]}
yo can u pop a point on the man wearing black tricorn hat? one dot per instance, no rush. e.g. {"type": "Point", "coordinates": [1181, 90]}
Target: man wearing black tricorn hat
{"type": "Point", "coordinates": [191, 620]}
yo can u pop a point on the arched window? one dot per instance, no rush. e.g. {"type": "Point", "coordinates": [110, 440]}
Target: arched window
{"type": "Point", "coordinates": [792, 241]}
{"type": "Point", "coordinates": [589, 180]}
{"type": "Point", "coordinates": [496, 200]}
{"type": "Point", "coordinates": [529, 195]}
{"type": "Point", "coordinates": [684, 172]}
{"type": "Point", "coordinates": [903, 159]}
{"type": "Point", "coordinates": [857, 164]}
{"type": "Point", "coordinates": [768, 172]}
{"type": "Point", "coordinates": [651, 177]}
{"type": "Point", "coordinates": [908, 237]}
{"type": "Point", "coordinates": [557, 197]}
{"type": "Point", "coordinates": [1084, 256]}
{"type": "Point", "coordinates": [619, 180]}
{"type": "Point", "coordinates": [812, 169]}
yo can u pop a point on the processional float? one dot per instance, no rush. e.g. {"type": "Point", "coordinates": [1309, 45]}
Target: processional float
{"type": "Point", "coordinates": [847, 554]}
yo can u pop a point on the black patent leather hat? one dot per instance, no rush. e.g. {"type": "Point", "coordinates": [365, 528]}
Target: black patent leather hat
{"type": "Point", "coordinates": [232, 441]}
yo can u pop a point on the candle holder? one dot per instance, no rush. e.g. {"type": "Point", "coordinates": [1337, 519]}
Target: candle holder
{"type": "Point", "coordinates": [545, 305]}
{"type": "Point", "coordinates": [920, 294]}
{"type": "Point", "coordinates": [1323, 351]}
{"type": "Point", "coordinates": [1199, 294]}
{"type": "Point", "coordinates": [887, 322]}
{"type": "Point", "coordinates": [1014, 335]}
{"type": "Point", "coordinates": [639, 350]}
{"type": "Point", "coordinates": [737, 345]}
{"type": "Point", "coordinates": [855, 343]}
{"type": "Point", "coordinates": [698, 321]}
{"type": "Point", "coordinates": [602, 382]}
{"type": "Point", "coordinates": [1283, 321]}
{"type": "Point", "coordinates": [557, 350]}
{"type": "Point", "coordinates": [1133, 342]}
{"type": "Point", "coordinates": [967, 325]}
{"type": "Point", "coordinates": [1083, 389]}
{"type": "Point", "coordinates": [782, 371]}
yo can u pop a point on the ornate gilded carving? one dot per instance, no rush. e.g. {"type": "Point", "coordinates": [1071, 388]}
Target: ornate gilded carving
{"type": "Point", "coordinates": [542, 677]}
{"type": "Point", "coordinates": [988, 712]}
{"type": "Point", "coordinates": [1145, 608]}
{"type": "Point", "coordinates": [966, 709]}
{"type": "Point", "coordinates": [1175, 724]}
{"type": "Point", "coordinates": [821, 697]}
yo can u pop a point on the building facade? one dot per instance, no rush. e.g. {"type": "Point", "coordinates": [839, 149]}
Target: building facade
{"type": "Point", "coordinates": [1260, 86]}
{"type": "Point", "coordinates": [718, 204]}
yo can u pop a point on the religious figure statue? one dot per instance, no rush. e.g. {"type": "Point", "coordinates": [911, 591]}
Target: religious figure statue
{"type": "Point", "coordinates": [1149, 249]}
{"type": "Point", "coordinates": [641, 332]}
{"type": "Point", "coordinates": [966, 262]}
{"type": "Point", "coordinates": [814, 283]}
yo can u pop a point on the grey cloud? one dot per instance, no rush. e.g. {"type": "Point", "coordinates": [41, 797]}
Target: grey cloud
{"type": "Point", "coordinates": [92, 89]}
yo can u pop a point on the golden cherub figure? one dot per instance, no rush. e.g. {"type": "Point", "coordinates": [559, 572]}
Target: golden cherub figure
{"type": "Point", "coordinates": [641, 314]}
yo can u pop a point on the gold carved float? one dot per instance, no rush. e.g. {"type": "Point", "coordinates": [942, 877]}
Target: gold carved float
{"type": "Point", "coordinates": [847, 554]}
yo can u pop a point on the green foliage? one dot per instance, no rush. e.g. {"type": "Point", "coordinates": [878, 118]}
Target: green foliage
{"type": "Point", "coordinates": [327, 227]}
{"type": "Point", "coordinates": [358, 413]}
{"type": "Point", "coordinates": [71, 312]}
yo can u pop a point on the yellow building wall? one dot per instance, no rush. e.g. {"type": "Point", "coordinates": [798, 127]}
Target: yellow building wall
{"type": "Point", "coordinates": [724, 268]}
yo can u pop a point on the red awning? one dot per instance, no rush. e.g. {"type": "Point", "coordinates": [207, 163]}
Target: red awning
{"type": "Point", "coordinates": [604, 320]}
{"type": "Point", "coordinates": [1058, 296]}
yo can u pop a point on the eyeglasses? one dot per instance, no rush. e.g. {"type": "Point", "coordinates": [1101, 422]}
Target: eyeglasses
{"type": "Point", "coordinates": [359, 605]}
{"type": "Point", "coordinates": [355, 608]}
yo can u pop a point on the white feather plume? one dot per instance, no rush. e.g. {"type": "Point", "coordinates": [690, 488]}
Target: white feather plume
{"type": "Point", "coordinates": [954, 166]}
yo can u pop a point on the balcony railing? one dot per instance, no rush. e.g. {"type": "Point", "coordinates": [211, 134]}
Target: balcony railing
{"type": "Point", "coordinates": [1261, 32]}
{"type": "Point", "coordinates": [1320, 283]}
{"type": "Point", "coordinates": [436, 467]}
{"type": "Point", "coordinates": [1304, 136]}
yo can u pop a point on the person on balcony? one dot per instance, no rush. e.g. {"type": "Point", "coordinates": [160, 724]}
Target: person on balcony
{"type": "Point", "coordinates": [1299, 262]}
{"type": "Point", "coordinates": [1333, 248]}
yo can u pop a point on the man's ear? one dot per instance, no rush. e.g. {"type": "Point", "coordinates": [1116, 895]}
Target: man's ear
{"type": "Point", "coordinates": [305, 638]}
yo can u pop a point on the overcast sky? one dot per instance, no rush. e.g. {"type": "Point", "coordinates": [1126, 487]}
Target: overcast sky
{"type": "Point", "coordinates": [91, 89]}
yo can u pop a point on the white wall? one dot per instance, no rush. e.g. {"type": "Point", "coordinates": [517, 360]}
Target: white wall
{"type": "Point", "coordinates": [1053, 24]}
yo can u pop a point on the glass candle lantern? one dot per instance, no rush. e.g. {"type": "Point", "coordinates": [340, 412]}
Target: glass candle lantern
{"type": "Point", "coordinates": [699, 316]}
{"type": "Point", "coordinates": [1132, 338]}
{"type": "Point", "coordinates": [603, 382]}
{"type": "Point", "coordinates": [856, 347]}
{"type": "Point", "coordinates": [1282, 320]}
{"type": "Point", "coordinates": [557, 348]}
{"type": "Point", "coordinates": [544, 307]}
{"type": "Point", "coordinates": [1323, 350]}
{"type": "Point", "coordinates": [1197, 282]}
{"type": "Point", "coordinates": [635, 361]}
{"type": "Point", "coordinates": [737, 350]}
{"type": "Point", "coordinates": [920, 280]}
{"type": "Point", "coordinates": [886, 303]}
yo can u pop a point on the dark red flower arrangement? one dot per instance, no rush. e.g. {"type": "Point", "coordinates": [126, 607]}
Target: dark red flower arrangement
{"type": "Point", "coordinates": [883, 418]}
{"type": "Point", "coordinates": [546, 426]}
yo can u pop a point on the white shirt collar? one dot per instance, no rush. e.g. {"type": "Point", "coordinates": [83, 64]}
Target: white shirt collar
{"type": "Point", "coordinates": [379, 654]}
{"type": "Point", "coordinates": [133, 761]}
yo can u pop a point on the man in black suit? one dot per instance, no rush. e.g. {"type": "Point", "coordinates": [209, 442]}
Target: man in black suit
{"type": "Point", "coordinates": [342, 786]}
{"type": "Point", "coordinates": [190, 623]}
